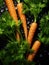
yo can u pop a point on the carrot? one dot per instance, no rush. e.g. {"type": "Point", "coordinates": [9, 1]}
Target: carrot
{"type": "Point", "coordinates": [35, 47]}
{"type": "Point", "coordinates": [12, 12]}
{"type": "Point", "coordinates": [22, 17]}
{"type": "Point", "coordinates": [11, 9]}
{"type": "Point", "coordinates": [32, 30]}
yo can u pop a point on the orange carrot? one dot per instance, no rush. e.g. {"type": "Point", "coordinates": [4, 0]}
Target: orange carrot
{"type": "Point", "coordinates": [22, 17]}
{"type": "Point", "coordinates": [32, 30]}
{"type": "Point", "coordinates": [12, 12]}
{"type": "Point", "coordinates": [11, 9]}
{"type": "Point", "coordinates": [35, 47]}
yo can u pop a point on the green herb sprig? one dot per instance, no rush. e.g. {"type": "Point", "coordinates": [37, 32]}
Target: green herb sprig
{"type": "Point", "coordinates": [34, 7]}
{"type": "Point", "coordinates": [1, 2]}
{"type": "Point", "coordinates": [7, 26]}
{"type": "Point", "coordinates": [44, 26]}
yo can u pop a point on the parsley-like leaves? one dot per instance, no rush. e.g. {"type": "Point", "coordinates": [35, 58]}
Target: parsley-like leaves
{"type": "Point", "coordinates": [44, 26]}
{"type": "Point", "coordinates": [34, 6]}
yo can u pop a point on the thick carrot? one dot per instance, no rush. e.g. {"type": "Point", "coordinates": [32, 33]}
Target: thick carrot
{"type": "Point", "coordinates": [11, 9]}
{"type": "Point", "coordinates": [35, 47]}
{"type": "Point", "coordinates": [22, 17]}
{"type": "Point", "coordinates": [12, 12]}
{"type": "Point", "coordinates": [32, 30]}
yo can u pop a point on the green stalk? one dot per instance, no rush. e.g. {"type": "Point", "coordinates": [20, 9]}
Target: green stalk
{"type": "Point", "coordinates": [35, 18]}
{"type": "Point", "coordinates": [18, 1]}
{"type": "Point", "coordinates": [18, 30]}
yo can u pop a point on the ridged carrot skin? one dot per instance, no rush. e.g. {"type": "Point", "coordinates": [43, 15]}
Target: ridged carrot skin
{"type": "Point", "coordinates": [35, 47]}
{"type": "Point", "coordinates": [32, 31]}
{"type": "Point", "coordinates": [12, 12]}
{"type": "Point", "coordinates": [11, 9]}
{"type": "Point", "coordinates": [22, 17]}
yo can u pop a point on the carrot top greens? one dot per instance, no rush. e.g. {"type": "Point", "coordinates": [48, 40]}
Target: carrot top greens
{"type": "Point", "coordinates": [44, 26]}
{"type": "Point", "coordinates": [7, 25]}
{"type": "Point", "coordinates": [34, 7]}
{"type": "Point", "coordinates": [1, 2]}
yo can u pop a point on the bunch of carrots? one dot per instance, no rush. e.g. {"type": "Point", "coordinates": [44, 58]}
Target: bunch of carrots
{"type": "Point", "coordinates": [29, 36]}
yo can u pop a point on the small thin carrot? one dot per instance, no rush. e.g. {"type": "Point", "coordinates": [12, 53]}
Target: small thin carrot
{"type": "Point", "coordinates": [35, 47]}
{"type": "Point", "coordinates": [31, 33]}
{"type": "Point", "coordinates": [22, 17]}
{"type": "Point", "coordinates": [12, 12]}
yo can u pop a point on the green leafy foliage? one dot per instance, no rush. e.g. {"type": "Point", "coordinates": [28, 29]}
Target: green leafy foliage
{"type": "Point", "coordinates": [7, 25]}
{"type": "Point", "coordinates": [44, 26]}
{"type": "Point", "coordinates": [1, 2]}
{"type": "Point", "coordinates": [14, 51]}
{"type": "Point", "coordinates": [34, 6]}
